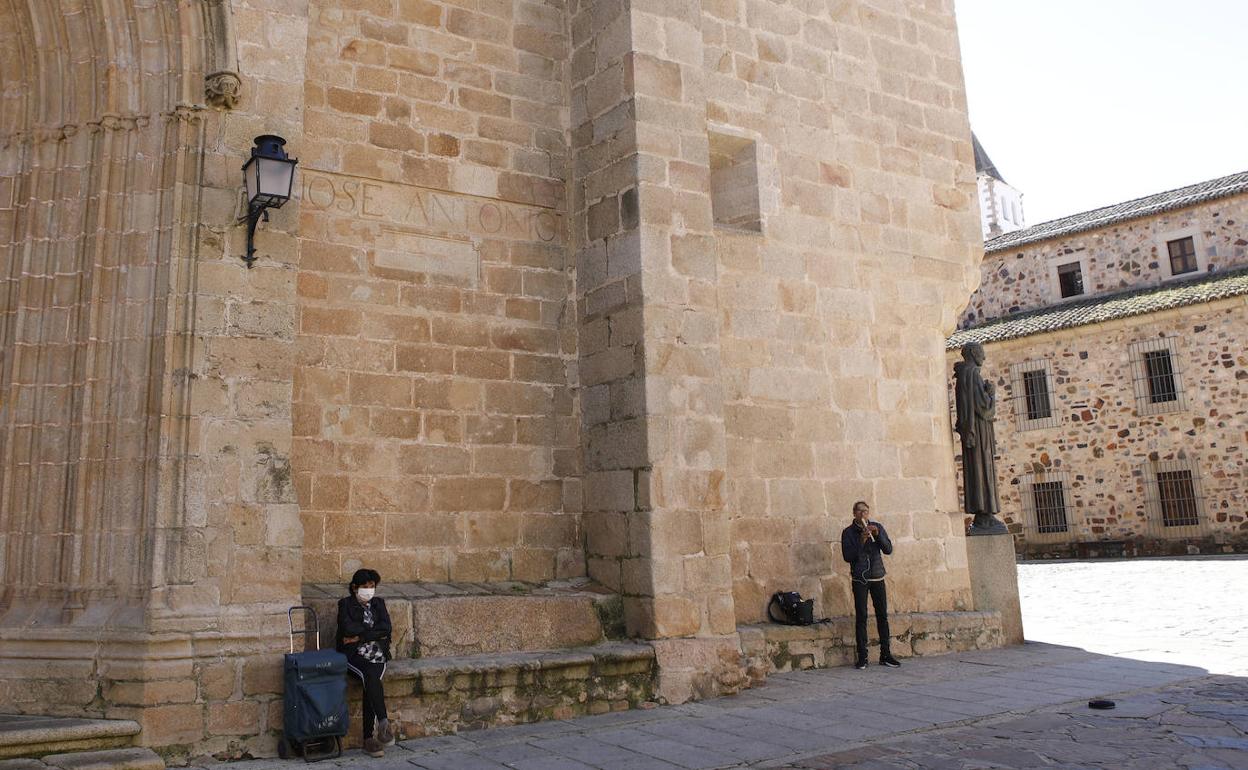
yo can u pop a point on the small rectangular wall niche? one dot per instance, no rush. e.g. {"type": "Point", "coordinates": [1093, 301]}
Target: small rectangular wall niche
{"type": "Point", "coordinates": [734, 182]}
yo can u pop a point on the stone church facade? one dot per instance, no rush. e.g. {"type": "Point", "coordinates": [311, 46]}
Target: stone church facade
{"type": "Point", "coordinates": [625, 296]}
{"type": "Point", "coordinates": [1116, 339]}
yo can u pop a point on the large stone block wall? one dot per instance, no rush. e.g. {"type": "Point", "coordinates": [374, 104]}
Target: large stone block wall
{"type": "Point", "coordinates": [151, 533]}
{"type": "Point", "coordinates": [1102, 441]}
{"type": "Point", "coordinates": [500, 278]}
{"type": "Point", "coordinates": [1124, 256]}
{"type": "Point", "coordinates": [831, 319]}
{"type": "Point", "coordinates": [435, 421]}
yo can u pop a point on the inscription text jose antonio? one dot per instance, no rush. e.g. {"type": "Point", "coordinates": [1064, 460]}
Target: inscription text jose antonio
{"type": "Point", "coordinates": [425, 209]}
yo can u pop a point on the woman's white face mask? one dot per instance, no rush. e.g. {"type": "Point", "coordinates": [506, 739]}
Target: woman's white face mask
{"type": "Point", "coordinates": [365, 594]}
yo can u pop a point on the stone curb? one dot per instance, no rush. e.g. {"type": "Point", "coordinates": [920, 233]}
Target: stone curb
{"type": "Point", "coordinates": [38, 737]}
{"type": "Point", "coordinates": [110, 759]}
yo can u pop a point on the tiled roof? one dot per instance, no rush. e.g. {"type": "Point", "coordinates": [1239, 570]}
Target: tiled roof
{"type": "Point", "coordinates": [1120, 212]}
{"type": "Point", "coordinates": [1107, 308]}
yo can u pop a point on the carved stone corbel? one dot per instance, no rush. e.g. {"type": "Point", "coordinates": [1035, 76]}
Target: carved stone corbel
{"type": "Point", "coordinates": [222, 84]}
{"type": "Point", "coordinates": [222, 89]}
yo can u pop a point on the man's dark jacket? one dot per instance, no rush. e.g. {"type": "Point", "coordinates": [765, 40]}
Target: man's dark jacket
{"type": "Point", "coordinates": [865, 559]}
{"type": "Point", "coordinates": [351, 623]}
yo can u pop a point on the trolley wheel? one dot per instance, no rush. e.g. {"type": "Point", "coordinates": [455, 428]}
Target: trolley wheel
{"type": "Point", "coordinates": [283, 748]}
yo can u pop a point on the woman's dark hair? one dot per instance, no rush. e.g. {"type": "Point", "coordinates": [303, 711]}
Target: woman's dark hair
{"type": "Point", "coordinates": [363, 576]}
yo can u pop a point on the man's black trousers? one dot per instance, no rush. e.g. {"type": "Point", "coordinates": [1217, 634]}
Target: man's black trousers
{"type": "Point", "coordinates": [879, 598]}
{"type": "Point", "coordinates": [374, 697]}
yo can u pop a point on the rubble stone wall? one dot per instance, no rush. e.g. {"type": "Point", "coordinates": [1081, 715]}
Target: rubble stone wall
{"type": "Point", "coordinates": [1104, 445]}
{"type": "Point", "coordinates": [1123, 256]}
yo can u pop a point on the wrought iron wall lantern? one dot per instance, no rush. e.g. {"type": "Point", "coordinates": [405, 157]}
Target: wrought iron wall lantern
{"type": "Point", "coordinates": [269, 176]}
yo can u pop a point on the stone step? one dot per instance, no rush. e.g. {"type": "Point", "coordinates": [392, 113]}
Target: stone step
{"type": "Point", "coordinates": [772, 647]}
{"type": "Point", "coordinates": [444, 695]}
{"type": "Point", "coordinates": [107, 759]}
{"type": "Point", "coordinates": [455, 619]}
{"type": "Point", "coordinates": [28, 735]}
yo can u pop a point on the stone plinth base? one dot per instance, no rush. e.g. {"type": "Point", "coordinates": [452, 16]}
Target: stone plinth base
{"type": "Point", "coordinates": [771, 648]}
{"type": "Point", "coordinates": [994, 581]}
{"type": "Point", "coordinates": [697, 668]}
{"type": "Point", "coordinates": [213, 692]}
{"type": "Point", "coordinates": [445, 619]}
{"type": "Point", "coordinates": [439, 696]}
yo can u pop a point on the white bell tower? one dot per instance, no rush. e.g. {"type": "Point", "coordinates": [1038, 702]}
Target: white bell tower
{"type": "Point", "coordinates": [1000, 205]}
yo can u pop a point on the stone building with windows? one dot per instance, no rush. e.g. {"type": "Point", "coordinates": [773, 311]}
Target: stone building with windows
{"type": "Point", "coordinates": [586, 324]}
{"type": "Point", "coordinates": [1117, 338]}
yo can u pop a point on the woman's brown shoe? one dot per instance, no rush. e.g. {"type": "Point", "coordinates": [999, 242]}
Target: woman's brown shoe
{"type": "Point", "coordinates": [373, 747]}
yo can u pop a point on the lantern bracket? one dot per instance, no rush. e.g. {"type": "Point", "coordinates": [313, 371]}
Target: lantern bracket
{"type": "Point", "coordinates": [253, 217]}
{"type": "Point", "coordinates": [268, 179]}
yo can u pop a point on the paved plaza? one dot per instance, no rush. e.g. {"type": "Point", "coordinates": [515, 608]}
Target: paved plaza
{"type": "Point", "coordinates": [1161, 640]}
{"type": "Point", "coordinates": [1191, 610]}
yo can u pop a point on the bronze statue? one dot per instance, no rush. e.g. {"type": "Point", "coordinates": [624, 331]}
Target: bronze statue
{"type": "Point", "coordinates": [976, 401]}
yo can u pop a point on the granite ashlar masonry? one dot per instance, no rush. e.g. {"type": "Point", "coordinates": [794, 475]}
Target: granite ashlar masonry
{"type": "Point", "coordinates": [1107, 440]}
{"type": "Point", "coordinates": [629, 296]}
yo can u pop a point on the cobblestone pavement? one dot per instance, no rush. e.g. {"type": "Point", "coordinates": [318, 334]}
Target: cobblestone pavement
{"type": "Point", "coordinates": [1019, 707]}
{"type": "Point", "coordinates": [1198, 726]}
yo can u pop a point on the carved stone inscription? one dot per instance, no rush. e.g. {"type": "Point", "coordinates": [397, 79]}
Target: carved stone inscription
{"type": "Point", "coordinates": [421, 208]}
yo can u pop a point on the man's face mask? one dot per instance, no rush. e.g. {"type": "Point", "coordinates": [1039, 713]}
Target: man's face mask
{"type": "Point", "coordinates": [365, 594]}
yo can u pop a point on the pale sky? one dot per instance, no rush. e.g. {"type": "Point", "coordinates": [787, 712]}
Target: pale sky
{"type": "Point", "coordinates": [1085, 103]}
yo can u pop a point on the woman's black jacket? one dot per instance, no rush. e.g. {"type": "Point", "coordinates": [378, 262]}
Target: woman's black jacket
{"type": "Point", "coordinates": [351, 623]}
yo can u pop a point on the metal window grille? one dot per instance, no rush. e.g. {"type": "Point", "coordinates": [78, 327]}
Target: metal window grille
{"type": "Point", "coordinates": [1155, 376]}
{"type": "Point", "coordinates": [1177, 498]}
{"type": "Point", "coordinates": [1032, 394]}
{"type": "Point", "coordinates": [1049, 500]}
{"type": "Point", "coordinates": [1070, 279]}
{"type": "Point", "coordinates": [1160, 370]}
{"type": "Point", "coordinates": [1047, 519]}
{"type": "Point", "coordinates": [1036, 391]}
{"type": "Point", "coordinates": [1182, 255]}
{"type": "Point", "coordinates": [1174, 497]}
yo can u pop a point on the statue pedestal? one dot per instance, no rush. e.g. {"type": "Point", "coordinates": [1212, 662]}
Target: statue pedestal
{"type": "Point", "coordinates": [994, 581]}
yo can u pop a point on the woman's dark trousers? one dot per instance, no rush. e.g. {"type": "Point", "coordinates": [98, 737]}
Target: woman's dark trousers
{"type": "Point", "coordinates": [374, 697]}
{"type": "Point", "coordinates": [879, 598]}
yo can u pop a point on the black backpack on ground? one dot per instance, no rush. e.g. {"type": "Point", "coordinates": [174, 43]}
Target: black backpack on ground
{"type": "Point", "coordinates": [794, 610]}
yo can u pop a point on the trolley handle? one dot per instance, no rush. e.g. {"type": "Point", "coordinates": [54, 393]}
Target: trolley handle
{"type": "Point", "coordinates": [290, 617]}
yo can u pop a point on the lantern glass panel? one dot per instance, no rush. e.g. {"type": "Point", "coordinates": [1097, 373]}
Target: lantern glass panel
{"type": "Point", "coordinates": [276, 177]}
{"type": "Point", "coordinates": [251, 172]}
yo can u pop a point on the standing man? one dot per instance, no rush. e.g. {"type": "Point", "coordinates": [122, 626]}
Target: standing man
{"type": "Point", "coordinates": [863, 545]}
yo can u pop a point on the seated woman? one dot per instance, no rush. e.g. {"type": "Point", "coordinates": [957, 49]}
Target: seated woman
{"type": "Point", "coordinates": [364, 637]}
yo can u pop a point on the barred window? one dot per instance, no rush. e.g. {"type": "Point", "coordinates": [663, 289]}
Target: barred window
{"type": "Point", "coordinates": [1182, 255]}
{"type": "Point", "coordinates": [1049, 500]}
{"type": "Point", "coordinates": [1173, 494]}
{"type": "Point", "coordinates": [1177, 497]}
{"type": "Point", "coordinates": [1156, 377]}
{"type": "Point", "coordinates": [1046, 499]}
{"type": "Point", "coordinates": [1160, 371]}
{"type": "Point", "coordinates": [1036, 391]}
{"type": "Point", "coordinates": [1032, 394]}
